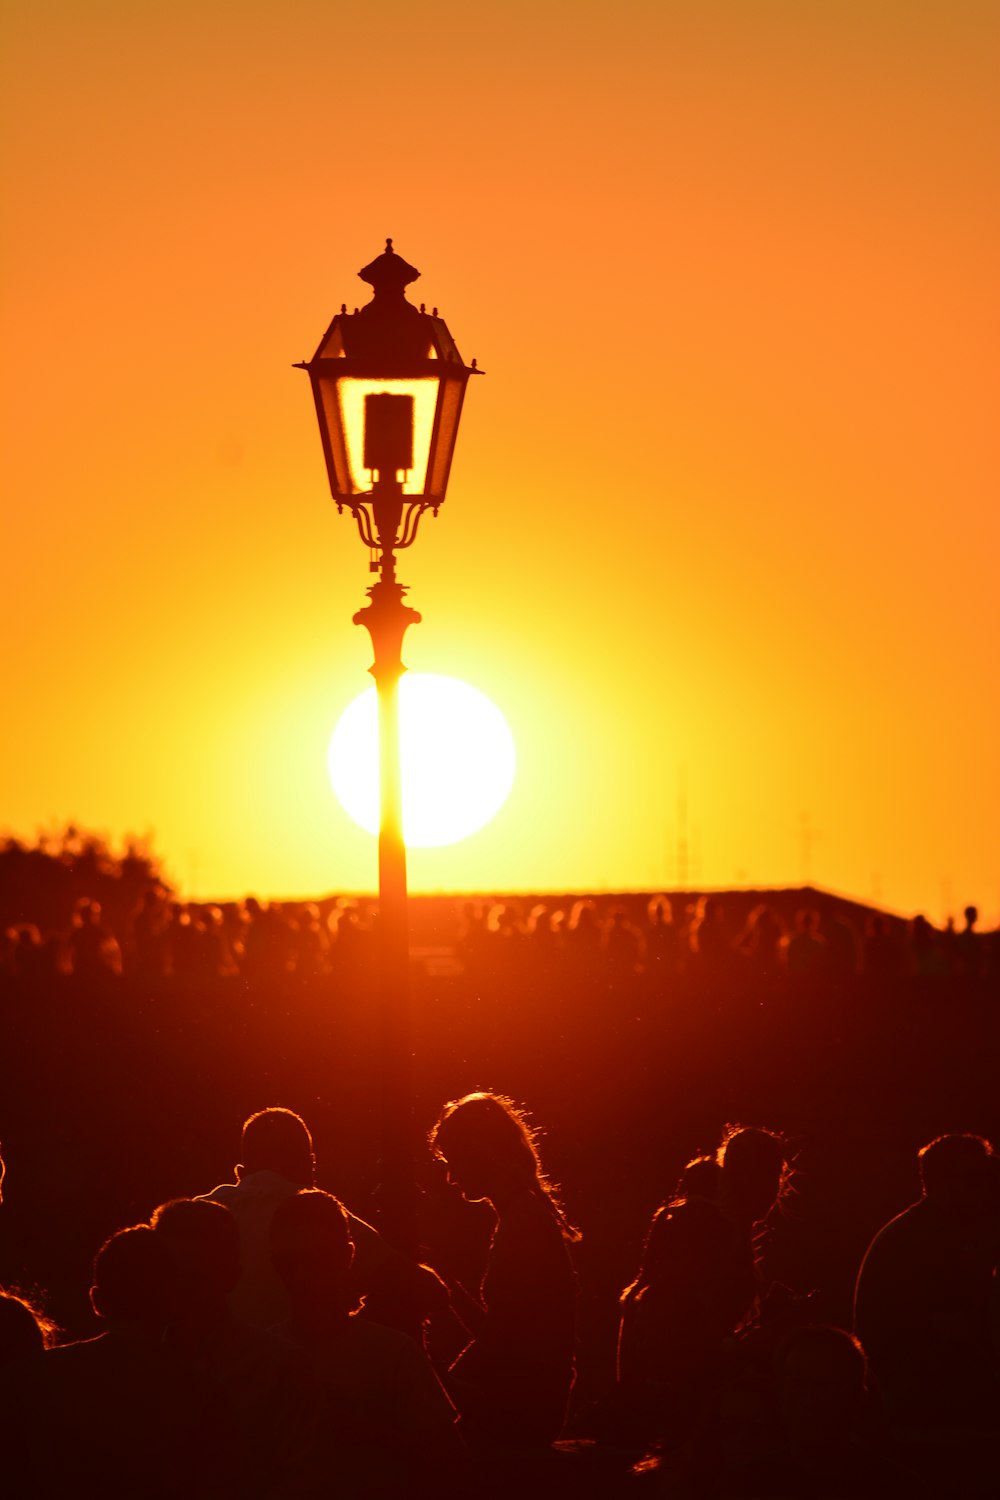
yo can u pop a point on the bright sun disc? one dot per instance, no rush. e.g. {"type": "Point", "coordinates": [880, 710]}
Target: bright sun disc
{"type": "Point", "coordinates": [457, 759]}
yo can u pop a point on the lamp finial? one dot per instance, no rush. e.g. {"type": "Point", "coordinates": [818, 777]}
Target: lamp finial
{"type": "Point", "coordinates": [389, 272]}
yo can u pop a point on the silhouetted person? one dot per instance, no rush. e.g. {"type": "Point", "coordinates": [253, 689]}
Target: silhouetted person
{"type": "Point", "coordinates": [385, 1424]}
{"type": "Point", "coordinates": [94, 952]}
{"type": "Point", "coordinates": [697, 1284]}
{"type": "Point", "coordinates": [512, 1382]}
{"type": "Point", "coordinates": [544, 940]}
{"type": "Point", "coordinates": [312, 946]}
{"type": "Point", "coordinates": [842, 952]}
{"type": "Point", "coordinates": [149, 958]}
{"type": "Point", "coordinates": [760, 943]}
{"type": "Point", "coordinates": [883, 957]}
{"type": "Point", "coordinates": [708, 937]}
{"type": "Point", "coordinates": [266, 943]}
{"type": "Point", "coordinates": [923, 1299]}
{"type": "Point", "coordinates": [277, 1161]}
{"type": "Point", "coordinates": [32, 959]}
{"type": "Point", "coordinates": [351, 943]}
{"type": "Point", "coordinates": [24, 1335]}
{"type": "Point", "coordinates": [662, 940]}
{"type": "Point", "coordinates": [259, 1387]}
{"type": "Point", "coordinates": [805, 949]}
{"type": "Point", "coordinates": [969, 945]}
{"type": "Point", "coordinates": [623, 947]}
{"type": "Point", "coordinates": [117, 1414]}
{"type": "Point", "coordinates": [927, 956]}
{"type": "Point", "coordinates": [583, 941]}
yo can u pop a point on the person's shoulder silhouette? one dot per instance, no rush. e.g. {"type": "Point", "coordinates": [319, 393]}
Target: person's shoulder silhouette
{"type": "Point", "coordinates": [923, 1302]}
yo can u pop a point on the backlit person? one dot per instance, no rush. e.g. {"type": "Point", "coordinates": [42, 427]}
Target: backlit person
{"type": "Point", "coordinates": [512, 1382]}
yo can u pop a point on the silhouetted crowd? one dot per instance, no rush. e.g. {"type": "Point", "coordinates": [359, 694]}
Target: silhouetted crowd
{"type": "Point", "coordinates": [261, 1339]}
{"type": "Point", "coordinates": [163, 939]}
{"type": "Point", "coordinates": [264, 1338]}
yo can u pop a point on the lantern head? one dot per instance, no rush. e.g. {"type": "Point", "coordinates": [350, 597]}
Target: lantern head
{"type": "Point", "coordinates": [388, 383]}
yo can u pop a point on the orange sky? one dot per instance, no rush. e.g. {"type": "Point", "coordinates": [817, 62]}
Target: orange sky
{"type": "Point", "coordinates": [723, 511]}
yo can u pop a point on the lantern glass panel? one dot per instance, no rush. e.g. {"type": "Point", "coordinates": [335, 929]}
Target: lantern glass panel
{"type": "Point", "coordinates": [450, 410]}
{"type": "Point", "coordinates": [333, 442]}
{"type": "Point", "coordinates": [351, 395]}
{"type": "Point", "coordinates": [332, 346]}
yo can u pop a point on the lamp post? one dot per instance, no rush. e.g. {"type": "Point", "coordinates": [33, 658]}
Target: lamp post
{"type": "Point", "coordinates": [389, 383]}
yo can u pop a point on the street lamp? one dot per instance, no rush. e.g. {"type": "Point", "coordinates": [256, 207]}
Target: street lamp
{"type": "Point", "coordinates": [389, 383]}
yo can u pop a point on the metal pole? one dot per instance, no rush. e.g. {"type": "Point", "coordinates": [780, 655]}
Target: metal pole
{"type": "Point", "coordinates": [386, 619]}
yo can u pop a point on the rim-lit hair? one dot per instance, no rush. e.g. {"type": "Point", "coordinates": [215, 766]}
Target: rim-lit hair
{"type": "Point", "coordinates": [755, 1164]}
{"type": "Point", "coordinates": [954, 1162]}
{"type": "Point", "coordinates": [278, 1140]}
{"type": "Point", "coordinates": [24, 1328]}
{"type": "Point", "coordinates": [497, 1129]}
{"type": "Point", "coordinates": [751, 1148]}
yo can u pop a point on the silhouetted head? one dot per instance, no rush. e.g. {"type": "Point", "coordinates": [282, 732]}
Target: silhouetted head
{"type": "Point", "coordinates": [821, 1375]}
{"type": "Point", "coordinates": [764, 923]}
{"type": "Point", "coordinates": [543, 922]}
{"type": "Point", "coordinates": [204, 1244]}
{"type": "Point", "coordinates": [278, 1140]}
{"type": "Point", "coordinates": [23, 1330]}
{"type": "Point", "coordinates": [484, 1139]}
{"type": "Point", "coordinates": [491, 1152]}
{"type": "Point", "coordinates": [659, 912]}
{"type": "Point", "coordinates": [583, 918]}
{"type": "Point", "coordinates": [958, 1173]}
{"type": "Point", "coordinates": [753, 1170]}
{"type": "Point", "coordinates": [134, 1279]}
{"type": "Point", "coordinates": [971, 915]}
{"type": "Point", "coordinates": [312, 1250]}
{"type": "Point", "coordinates": [503, 919]}
{"type": "Point", "coordinates": [920, 929]}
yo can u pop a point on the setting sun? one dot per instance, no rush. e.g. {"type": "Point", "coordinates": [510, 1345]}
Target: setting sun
{"type": "Point", "coordinates": [458, 759]}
